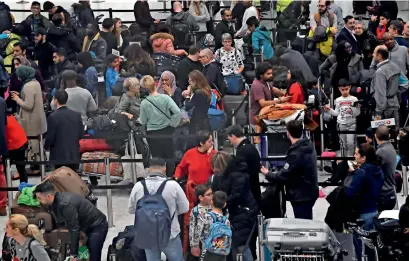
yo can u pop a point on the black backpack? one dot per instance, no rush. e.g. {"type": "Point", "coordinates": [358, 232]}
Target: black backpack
{"type": "Point", "coordinates": [6, 22]}
{"type": "Point", "coordinates": [181, 32]}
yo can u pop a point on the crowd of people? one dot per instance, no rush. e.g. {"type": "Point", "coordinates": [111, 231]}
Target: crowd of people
{"type": "Point", "coordinates": [68, 65]}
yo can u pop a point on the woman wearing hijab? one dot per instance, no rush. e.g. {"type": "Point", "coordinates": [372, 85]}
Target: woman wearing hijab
{"type": "Point", "coordinates": [86, 63]}
{"type": "Point", "coordinates": [31, 116]}
{"type": "Point", "coordinates": [168, 85]}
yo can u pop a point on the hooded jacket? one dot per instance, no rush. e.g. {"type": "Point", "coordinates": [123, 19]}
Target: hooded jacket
{"type": "Point", "coordinates": [85, 15]}
{"type": "Point", "coordinates": [98, 46]}
{"type": "Point", "coordinates": [142, 15]}
{"type": "Point", "coordinates": [41, 21]}
{"type": "Point", "coordinates": [261, 38]}
{"type": "Point", "coordinates": [385, 86]}
{"type": "Point", "coordinates": [8, 60]}
{"type": "Point", "coordinates": [364, 186]}
{"type": "Point", "coordinates": [299, 173]}
{"type": "Point", "coordinates": [163, 43]}
{"type": "Point", "coordinates": [241, 204]}
{"type": "Point", "coordinates": [400, 56]}
{"type": "Point", "coordinates": [183, 17]}
{"type": "Point", "coordinates": [63, 37]}
{"type": "Point", "coordinates": [293, 59]}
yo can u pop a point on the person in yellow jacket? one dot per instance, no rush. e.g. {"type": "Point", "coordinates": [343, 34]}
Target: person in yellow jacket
{"type": "Point", "coordinates": [8, 59]}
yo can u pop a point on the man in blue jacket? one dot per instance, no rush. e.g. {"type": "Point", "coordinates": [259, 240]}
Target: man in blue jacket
{"type": "Point", "coordinates": [261, 41]}
{"type": "Point", "coordinates": [299, 173]}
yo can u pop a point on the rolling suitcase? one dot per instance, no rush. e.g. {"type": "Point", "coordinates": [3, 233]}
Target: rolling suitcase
{"type": "Point", "coordinates": [58, 244]}
{"type": "Point", "coordinates": [67, 180]}
{"type": "Point", "coordinates": [239, 103]}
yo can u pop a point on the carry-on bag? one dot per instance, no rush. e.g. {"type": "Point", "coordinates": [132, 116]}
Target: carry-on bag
{"type": "Point", "coordinates": [90, 145]}
{"type": "Point", "coordinates": [67, 180]}
{"type": "Point", "coordinates": [98, 167]}
{"type": "Point", "coordinates": [58, 244]}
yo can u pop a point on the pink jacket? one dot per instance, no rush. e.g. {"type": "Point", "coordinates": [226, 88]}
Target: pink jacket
{"type": "Point", "coordinates": [164, 43]}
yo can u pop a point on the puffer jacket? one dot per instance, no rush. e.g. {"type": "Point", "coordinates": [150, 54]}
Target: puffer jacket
{"type": "Point", "coordinates": [78, 214]}
{"type": "Point", "coordinates": [242, 206]}
{"type": "Point", "coordinates": [8, 60]}
{"type": "Point", "coordinates": [164, 43]}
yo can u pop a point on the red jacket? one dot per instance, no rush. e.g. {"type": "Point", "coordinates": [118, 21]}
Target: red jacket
{"type": "Point", "coordinates": [164, 43]}
{"type": "Point", "coordinates": [380, 30]}
{"type": "Point", "coordinates": [296, 91]}
{"type": "Point", "coordinates": [15, 135]}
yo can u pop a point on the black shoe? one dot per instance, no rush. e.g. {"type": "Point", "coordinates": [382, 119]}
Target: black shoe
{"type": "Point", "coordinates": [328, 169]}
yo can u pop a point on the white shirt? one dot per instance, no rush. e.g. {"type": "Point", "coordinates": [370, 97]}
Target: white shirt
{"type": "Point", "coordinates": [345, 111]}
{"type": "Point", "coordinates": [249, 12]}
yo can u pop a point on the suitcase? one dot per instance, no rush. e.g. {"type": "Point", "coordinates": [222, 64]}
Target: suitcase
{"type": "Point", "coordinates": [39, 216]}
{"type": "Point", "coordinates": [233, 102]}
{"type": "Point", "coordinates": [58, 243]}
{"type": "Point", "coordinates": [67, 180]}
{"type": "Point", "coordinates": [285, 236]}
{"type": "Point", "coordinates": [99, 168]}
{"type": "Point", "coordinates": [90, 145]}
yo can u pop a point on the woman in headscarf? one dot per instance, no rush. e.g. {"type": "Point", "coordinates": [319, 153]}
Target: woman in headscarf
{"type": "Point", "coordinates": [168, 85]}
{"type": "Point", "coordinates": [17, 85]}
{"type": "Point", "coordinates": [31, 116]}
{"type": "Point", "coordinates": [86, 63]}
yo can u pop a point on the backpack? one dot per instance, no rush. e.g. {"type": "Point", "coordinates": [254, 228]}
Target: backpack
{"type": "Point", "coordinates": [3, 45]}
{"type": "Point", "coordinates": [6, 22]}
{"type": "Point", "coordinates": [219, 240]}
{"type": "Point", "coordinates": [217, 118]}
{"type": "Point", "coordinates": [316, 16]}
{"type": "Point", "coordinates": [152, 225]}
{"type": "Point", "coordinates": [181, 32]}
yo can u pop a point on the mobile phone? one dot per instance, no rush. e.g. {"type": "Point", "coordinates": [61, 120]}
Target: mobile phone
{"type": "Point", "coordinates": [351, 165]}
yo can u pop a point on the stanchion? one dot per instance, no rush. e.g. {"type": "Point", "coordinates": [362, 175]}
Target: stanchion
{"type": "Point", "coordinates": [322, 135]}
{"type": "Point", "coordinates": [9, 182]}
{"type": "Point", "coordinates": [108, 191]}
{"type": "Point", "coordinates": [42, 158]}
{"type": "Point", "coordinates": [215, 137]}
{"type": "Point", "coordinates": [260, 238]}
{"type": "Point", "coordinates": [131, 147]}
{"type": "Point", "coordinates": [405, 180]}
{"type": "Point", "coordinates": [113, 257]}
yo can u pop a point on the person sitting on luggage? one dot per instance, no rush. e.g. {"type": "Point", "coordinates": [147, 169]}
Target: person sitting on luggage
{"type": "Point", "coordinates": [175, 200]}
{"type": "Point", "coordinates": [216, 215]}
{"type": "Point", "coordinates": [25, 240]}
{"type": "Point", "coordinates": [203, 195]}
{"type": "Point", "coordinates": [162, 42]}
{"type": "Point", "coordinates": [229, 57]}
{"type": "Point", "coordinates": [261, 41]}
{"type": "Point", "coordinates": [168, 85]}
{"type": "Point", "coordinates": [111, 75]}
{"type": "Point", "coordinates": [83, 251]}
{"type": "Point", "coordinates": [78, 214]}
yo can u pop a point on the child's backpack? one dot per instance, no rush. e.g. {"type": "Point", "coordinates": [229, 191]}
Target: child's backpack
{"type": "Point", "coordinates": [219, 240]}
{"type": "Point", "coordinates": [217, 117]}
{"type": "Point", "coordinates": [152, 224]}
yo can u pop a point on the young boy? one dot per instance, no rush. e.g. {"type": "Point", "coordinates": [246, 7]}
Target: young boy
{"type": "Point", "coordinates": [203, 194]}
{"type": "Point", "coordinates": [218, 202]}
{"type": "Point", "coordinates": [346, 111]}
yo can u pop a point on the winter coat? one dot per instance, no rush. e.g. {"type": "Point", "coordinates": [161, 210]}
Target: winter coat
{"type": "Point", "coordinates": [63, 37]}
{"type": "Point", "coordinates": [184, 17]}
{"type": "Point", "coordinates": [42, 22]}
{"type": "Point", "coordinates": [293, 59]}
{"type": "Point", "coordinates": [367, 42]}
{"type": "Point", "coordinates": [85, 15]}
{"type": "Point", "coordinates": [354, 68]}
{"type": "Point", "coordinates": [261, 38]}
{"type": "Point", "coordinates": [241, 204]}
{"type": "Point", "coordinates": [164, 43]}
{"type": "Point", "coordinates": [8, 59]}
{"type": "Point", "coordinates": [143, 16]}
{"type": "Point", "coordinates": [400, 56]}
{"type": "Point", "coordinates": [98, 46]}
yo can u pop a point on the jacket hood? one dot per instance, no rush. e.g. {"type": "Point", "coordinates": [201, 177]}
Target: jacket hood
{"type": "Point", "coordinates": [303, 144]}
{"type": "Point", "coordinates": [372, 169]}
{"type": "Point", "coordinates": [162, 36]}
{"type": "Point", "coordinates": [262, 30]}
{"type": "Point", "coordinates": [395, 47]}
{"type": "Point", "coordinates": [179, 16]}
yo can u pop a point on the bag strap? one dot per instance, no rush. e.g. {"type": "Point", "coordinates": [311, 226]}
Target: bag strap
{"type": "Point", "coordinates": [144, 185]}
{"type": "Point", "coordinates": [29, 249]}
{"type": "Point", "coordinates": [158, 109]}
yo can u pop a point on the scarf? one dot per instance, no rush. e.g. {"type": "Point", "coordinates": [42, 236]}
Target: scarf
{"type": "Point", "coordinates": [25, 74]}
{"type": "Point", "coordinates": [172, 82]}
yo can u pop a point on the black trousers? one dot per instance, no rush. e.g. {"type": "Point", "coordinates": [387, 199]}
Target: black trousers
{"type": "Point", "coordinates": [19, 155]}
{"type": "Point", "coordinates": [163, 147]}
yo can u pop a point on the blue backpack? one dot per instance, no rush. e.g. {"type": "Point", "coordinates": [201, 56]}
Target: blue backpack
{"type": "Point", "coordinates": [152, 224]}
{"type": "Point", "coordinates": [219, 240]}
{"type": "Point", "coordinates": [216, 117]}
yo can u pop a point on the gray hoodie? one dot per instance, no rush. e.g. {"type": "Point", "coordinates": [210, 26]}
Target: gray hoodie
{"type": "Point", "coordinates": [185, 18]}
{"type": "Point", "coordinates": [387, 154]}
{"type": "Point", "coordinates": [400, 56]}
{"type": "Point", "coordinates": [385, 87]}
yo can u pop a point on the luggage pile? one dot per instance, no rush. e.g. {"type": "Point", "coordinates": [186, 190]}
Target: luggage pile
{"type": "Point", "coordinates": [58, 238]}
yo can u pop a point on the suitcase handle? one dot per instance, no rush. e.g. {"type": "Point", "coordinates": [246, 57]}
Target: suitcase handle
{"type": "Point", "coordinates": [294, 234]}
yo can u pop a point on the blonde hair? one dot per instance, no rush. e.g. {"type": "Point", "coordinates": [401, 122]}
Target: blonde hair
{"type": "Point", "coordinates": [220, 161]}
{"type": "Point", "coordinates": [29, 230]}
{"type": "Point", "coordinates": [148, 83]}
{"type": "Point", "coordinates": [130, 82]}
{"type": "Point", "coordinates": [197, 7]}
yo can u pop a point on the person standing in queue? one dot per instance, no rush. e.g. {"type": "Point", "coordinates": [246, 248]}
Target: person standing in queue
{"type": "Point", "coordinates": [299, 173]}
{"type": "Point", "coordinates": [78, 214]}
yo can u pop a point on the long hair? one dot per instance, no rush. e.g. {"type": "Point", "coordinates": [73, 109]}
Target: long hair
{"type": "Point", "coordinates": [28, 230]}
{"type": "Point", "coordinates": [220, 161]}
{"type": "Point", "coordinates": [197, 7]}
{"type": "Point", "coordinates": [296, 76]}
{"type": "Point", "coordinates": [116, 32]}
{"type": "Point", "coordinates": [136, 55]}
{"type": "Point", "coordinates": [201, 83]}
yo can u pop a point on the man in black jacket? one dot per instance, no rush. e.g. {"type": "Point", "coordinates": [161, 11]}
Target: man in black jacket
{"type": "Point", "coordinates": [62, 63]}
{"type": "Point", "coordinates": [43, 53]}
{"type": "Point", "coordinates": [37, 20]}
{"type": "Point", "coordinates": [64, 131]}
{"type": "Point", "coordinates": [347, 34]}
{"type": "Point", "coordinates": [187, 65]}
{"type": "Point", "coordinates": [108, 36]}
{"type": "Point", "coordinates": [299, 173]}
{"type": "Point", "coordinates": [143, 16]}
{"type": "Point", "coordinates": [77, 214]}
{"type": "Point", "coordinates": [294, 15]}
{"type": "Point", "coordinates": [225, 26]}
{"type": "Point", "coordinates": [212, 70]}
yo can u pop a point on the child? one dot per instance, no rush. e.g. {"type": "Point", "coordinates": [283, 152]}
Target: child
{"type": "Point", "coordinates": [111, 75]}
{"type": "Point", "coordinates": [346, 111]}
{"type": "Point", "coordinates": [203, 194]}
{"type": "Point", "coordinates": [83, 252]}
{"type": "Point", "coordinates": [215, 230]}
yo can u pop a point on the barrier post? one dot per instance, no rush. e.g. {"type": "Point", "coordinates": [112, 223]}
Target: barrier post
{"type": "Point", "coordinates": [260, 238]}
{"type": "Point", "coordinates": [108, 191]}
{"type": "Point", "coordinates": [233, 121]}
{"type": "Point", "coordinates": [42, 157]}
{"type": "Point", "coordinates": [405, 180]}
{"type": "Point", "coordinates": [131, 146]}
{"type": "Point", "coordinates": [215, 137]}
{"type": "Point", "coordinates": [9, 182]}
{"type": "Point", "coordinates": [113, 257]}
{"type": "Point", "coordinates": [110, 13]}
{"type": "Point", "coordinates": [322, 135]}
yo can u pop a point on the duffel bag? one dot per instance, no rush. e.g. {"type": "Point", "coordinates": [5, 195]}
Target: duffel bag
{"type": "Point", "coordinates": [234, 84]}
{"type": "Point", "coordinates": [90, 145]}
{"type": "Point", "coordinates": [98, 167]}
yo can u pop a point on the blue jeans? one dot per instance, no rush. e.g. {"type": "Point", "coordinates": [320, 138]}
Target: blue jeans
{"type": "Point", "coordinates": [95, 242]}
{"type": "Point", "coordinates": [303, 210]}
{"type": "Point", "coordinates": [173, 251]}
{"type": "Point", "coordinates": [368, 225]}
{"type": "Point", "coordinates": [247, 255]}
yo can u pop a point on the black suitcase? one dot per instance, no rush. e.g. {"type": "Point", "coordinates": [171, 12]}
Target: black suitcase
{"type": "Point", "coordinates": [239, 103]}
{"type": "Point", "coordinates": [123, 249]}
